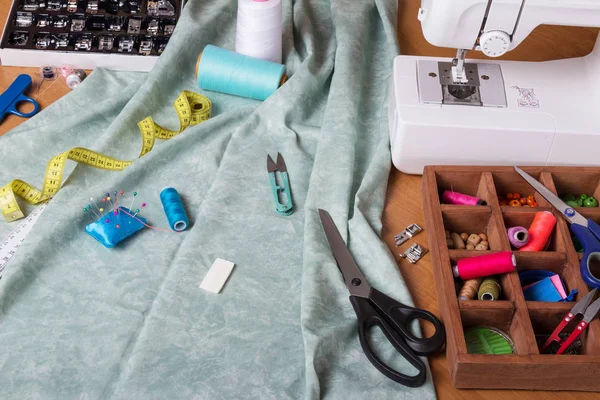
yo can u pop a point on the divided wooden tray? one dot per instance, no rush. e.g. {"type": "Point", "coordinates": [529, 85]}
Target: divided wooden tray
{"type": "Point", "coordinates": [521, 320]}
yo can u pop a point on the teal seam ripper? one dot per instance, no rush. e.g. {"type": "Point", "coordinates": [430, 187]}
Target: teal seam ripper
{"type": "Point", "coordinates": [272, 168]}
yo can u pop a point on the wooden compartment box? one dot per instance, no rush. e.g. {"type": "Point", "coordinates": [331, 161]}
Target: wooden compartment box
{"type": "Point", "coordinates": [521, 320]}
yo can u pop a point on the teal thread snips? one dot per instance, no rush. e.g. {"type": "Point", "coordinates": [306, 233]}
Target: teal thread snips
{"type": "Point", "coordinates": [283, 192]}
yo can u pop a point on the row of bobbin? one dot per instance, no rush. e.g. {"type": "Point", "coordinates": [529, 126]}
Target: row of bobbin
{"type": "Point", "coordinates": [480, 275]}
{"type": "Point", "coordinates": [73, 76]}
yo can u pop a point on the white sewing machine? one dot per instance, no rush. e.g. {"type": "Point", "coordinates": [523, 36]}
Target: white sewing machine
{"type": "Point", "coordinates": [489, 112]}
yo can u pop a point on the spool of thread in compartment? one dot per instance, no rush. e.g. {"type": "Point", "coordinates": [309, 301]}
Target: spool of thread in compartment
{"type": "Point", "coordinates": [489, 289]}
{"type": "Point", "coordinates": [451, 197]}
{"type": "Point", "coordinates": [225, 71]}
{"type": "Point", "coordinates": [518, 236]}
{"type": "Point", "coordinates": [482, 266]}
{"type": "Point", "coordinates": [540, 231]}
{"type": "Point", "coordinates": [469, 289]}
{"type": "Point", "coordinates": [174, 210]}
{"type": "Point", "coordinates": [259, 29]}
{"type": "Point", "coordinates": [488, 340]}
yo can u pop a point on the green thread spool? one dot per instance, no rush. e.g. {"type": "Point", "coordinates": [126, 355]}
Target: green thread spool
{"type": "Point", "coordinates": [488, 340]}
{"type": "Point", "coordinates": [489, 289]}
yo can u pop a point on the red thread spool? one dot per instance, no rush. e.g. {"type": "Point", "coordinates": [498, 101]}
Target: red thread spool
{"type": "Point", "coordinates": [481, 266]}
{"type": "Point", "coordinates": [540, 230]}
{"type": "Point", "coordinates": [449, 197]}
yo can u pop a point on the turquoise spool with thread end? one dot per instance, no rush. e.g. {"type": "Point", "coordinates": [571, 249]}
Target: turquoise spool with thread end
{"type": "Point", "coordinates": [224, 71]}
{"type": "Point", "coordinates": [176, 215]}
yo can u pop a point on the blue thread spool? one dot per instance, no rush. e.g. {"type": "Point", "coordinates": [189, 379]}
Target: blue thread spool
{"type": "Point", "coordinates": [228, 72]}
{"type": "Point", "coordinates": [174, 210]}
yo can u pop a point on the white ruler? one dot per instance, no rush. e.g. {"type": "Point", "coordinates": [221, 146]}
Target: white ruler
{"type": "Point", "coordinates": [9, 246]}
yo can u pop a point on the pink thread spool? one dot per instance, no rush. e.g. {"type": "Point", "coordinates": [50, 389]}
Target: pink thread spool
{"type": "Point", "coordinates": [481, 266]}
{"type": "Point", "coordinates": [450, 197]}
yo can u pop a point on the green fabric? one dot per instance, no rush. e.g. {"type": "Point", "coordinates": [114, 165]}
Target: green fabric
{"type": "Point", "coordinates": [79, 321]}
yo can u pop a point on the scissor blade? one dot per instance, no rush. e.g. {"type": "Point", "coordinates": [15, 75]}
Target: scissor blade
{"type": "Point", "coordinates": [271, 166]}
{"type": "Point", "coordinates": [591, 311]}
{"type": "Point", "coordinates": [355, 280]}
{"type": "Point", "coordinates": [583, 304]}
{"type": "Point", "coordinates": [568, 212]}
{"type": "Point", "coordinates": [281, 163]}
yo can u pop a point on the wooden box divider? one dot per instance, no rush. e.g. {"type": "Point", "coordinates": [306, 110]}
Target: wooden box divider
{"type": "Point", "coordinates": [526, 322]}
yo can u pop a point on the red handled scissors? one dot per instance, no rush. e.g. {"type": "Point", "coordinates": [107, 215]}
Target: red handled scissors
{"type": "Point", "coordinates": [583, 308]}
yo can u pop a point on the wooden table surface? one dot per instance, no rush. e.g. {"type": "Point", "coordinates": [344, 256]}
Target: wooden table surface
{"type": "Point", "coordinates": [403, 203]}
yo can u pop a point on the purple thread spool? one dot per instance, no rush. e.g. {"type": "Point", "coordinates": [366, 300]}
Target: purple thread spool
{"type": "Point", "coordinates": [450, 197]}
{"type": "Point", "coordinates": [518, 236]}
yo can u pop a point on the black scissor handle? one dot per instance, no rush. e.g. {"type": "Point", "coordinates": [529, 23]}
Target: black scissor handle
{"type": "Point", "coordinates": [401, 315]}
{"type": "Point", "coordinates": [368, 317]}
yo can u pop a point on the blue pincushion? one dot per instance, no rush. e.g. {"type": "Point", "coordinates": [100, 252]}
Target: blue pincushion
{"type": "Point", "coordinates": [113, 228]}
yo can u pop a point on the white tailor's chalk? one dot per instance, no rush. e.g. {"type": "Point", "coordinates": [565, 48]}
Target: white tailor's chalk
{"type": "Point", "coordinates": [217, 275]}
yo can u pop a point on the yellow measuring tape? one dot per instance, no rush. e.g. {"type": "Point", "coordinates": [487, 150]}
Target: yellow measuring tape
{"type": "Point", "coordinates": [192, 108]}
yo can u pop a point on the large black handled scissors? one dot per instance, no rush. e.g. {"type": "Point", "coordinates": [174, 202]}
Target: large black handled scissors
{"type": "Point", "coordinates": [374, 308]}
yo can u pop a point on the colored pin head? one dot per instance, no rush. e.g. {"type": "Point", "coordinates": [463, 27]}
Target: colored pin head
{"type": "Point", "coordinates": [107, 194]}
{"type": "Point", "coordinates": [104, 199]}
{"type": "Point", "coordinates": [108, 198]}
{"type": "Point", "coordinates": [118, 226]}
{"type": "Point", "coordinates": [84, 209]}
{"type": "Point", "coordinates": [115, 212]}
{"type": "Point", "coordinates": [132, 200]}
{"type": "Point", "coordinates": [143, 205]}
{"type": "Point", "coordinates": [101, 209]}
{"type": "Point", "coordinates": [89, 207]}
{"type": "Point", "coordinates": [121, 193]}
{"type": "Point", "coordinates": [107, 220]}
{"type": "Point", "coordinates": [137, 210]}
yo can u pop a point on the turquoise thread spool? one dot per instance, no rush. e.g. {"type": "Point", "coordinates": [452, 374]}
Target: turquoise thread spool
{"type": "Point", "coordinates": [174, 210]}
{"type": "Point", "coordinates": [225, 71]}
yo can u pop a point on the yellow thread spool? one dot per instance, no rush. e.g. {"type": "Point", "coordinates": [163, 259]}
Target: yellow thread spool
{"type": "Point", "coordinates": [469, 289]}
{"type": "Point", "coordinates": [490, 289]}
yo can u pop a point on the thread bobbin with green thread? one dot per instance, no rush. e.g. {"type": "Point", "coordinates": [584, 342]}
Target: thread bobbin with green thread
{"type": "Point", "coordinates": [488, 340]}
{"type": "Point", "coordinates": [489, 289]}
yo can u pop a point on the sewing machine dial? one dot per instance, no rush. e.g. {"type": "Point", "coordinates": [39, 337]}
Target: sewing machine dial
{"type": "Point", "coordinates": [494, 43]}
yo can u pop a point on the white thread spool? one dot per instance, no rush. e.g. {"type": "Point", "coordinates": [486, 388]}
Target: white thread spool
{"type": "Point", "coordinates": [259, 29]}
{"type": "Point", "coordinates": [75, 78]}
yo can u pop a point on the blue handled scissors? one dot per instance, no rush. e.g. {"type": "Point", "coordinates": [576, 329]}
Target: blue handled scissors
{"type": "Point", "coordinates": [374, 308]}
{"type": "Point", "coordinates": [586, 230]}
{"type": "Point", "coordinates": [14, 95]}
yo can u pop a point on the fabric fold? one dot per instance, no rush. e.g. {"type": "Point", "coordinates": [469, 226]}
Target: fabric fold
{"type": "Point", "coordinates": [81, 321]}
